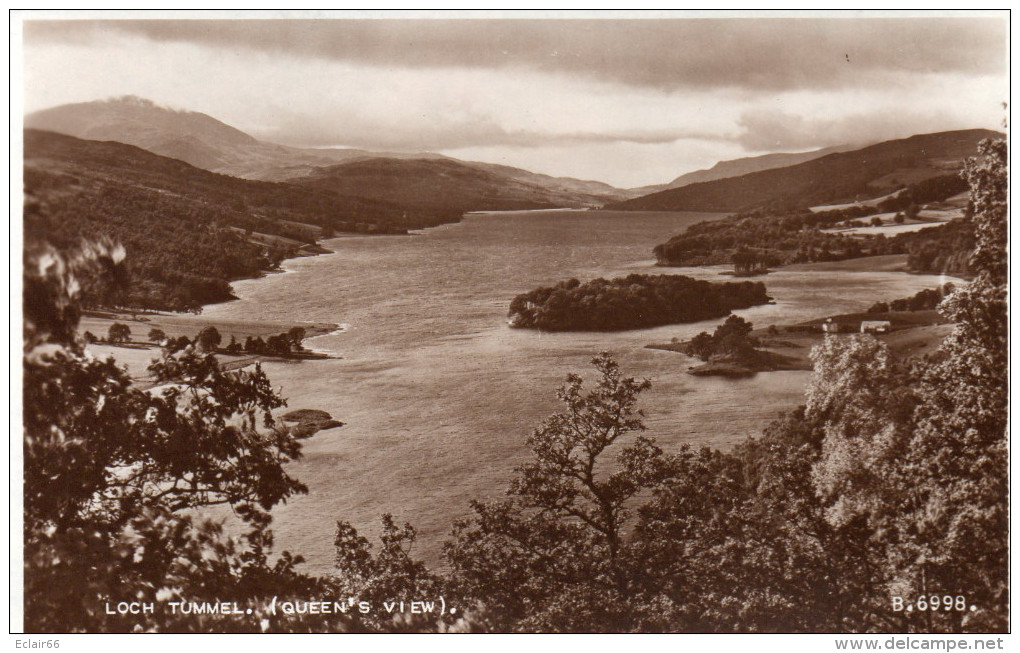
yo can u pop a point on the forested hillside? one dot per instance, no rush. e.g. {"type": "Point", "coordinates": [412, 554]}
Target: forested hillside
{"type": "Point", "coordinates": [841, 177]}
{"type": "Point", "coordinates": [447, 185]}
{"type": "Point", "coordinates": [187, 231]}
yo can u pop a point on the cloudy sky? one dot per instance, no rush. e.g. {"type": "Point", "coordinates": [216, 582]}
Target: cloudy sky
{"type": "Point", "coordinates": [627, 101]}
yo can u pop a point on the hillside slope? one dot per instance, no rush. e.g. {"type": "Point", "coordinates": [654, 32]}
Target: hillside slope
{"type": "Point", "coordinates": [840, 177]}
{"type": "Point", "coordinates": [447, 185]}
{"type": "Point", "coordinates": [748, 165]}
{"type": "Point", "coordinates": [187, 231]}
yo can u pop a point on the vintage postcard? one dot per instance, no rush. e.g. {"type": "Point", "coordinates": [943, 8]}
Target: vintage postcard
{"type": "Point", "coordinates": [516, 322]}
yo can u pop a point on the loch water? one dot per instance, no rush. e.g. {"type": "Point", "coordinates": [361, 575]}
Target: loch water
{"type": "Point", "coordinates": [437, 392]}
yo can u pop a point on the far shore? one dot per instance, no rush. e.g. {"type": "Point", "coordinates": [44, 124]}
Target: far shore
{"type": "Point", "coordinates": [186, 324]}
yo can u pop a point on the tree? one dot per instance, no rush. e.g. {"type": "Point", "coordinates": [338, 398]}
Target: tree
{"type": "Point", "coordinates": [156, 335]}
{"type": "Point", "coordinates": [898, 218]}
{"type": "Point", "coordinates": [734, 325]}
{"type": "Point", "coordinates": [701, 346]}
{"type": "Point", "coordinates": [113, 473]}
{"type": "Point", "coordinates": [559, 538]}
{"type": "Point", "coordinates": [919, 458]}
{"type": "Point", "coordinates": [119, 332]}
{"type": "Point", "coordinates": [957, 500]}
{"type": "Point", "coordinates": [296, 335]}
{"type": "Point", "coordinates": [176, 344]}
{"type": "Point", "coordinates": [278, 344]}
{"type": "Point", "coordinates": [209, 338]}
{"type": "Point", "coordinates": [390, 575]}
{"type": "Point", "coordinates": [864, 403]}
{"type": "Point", "coordinates": [876, 221]}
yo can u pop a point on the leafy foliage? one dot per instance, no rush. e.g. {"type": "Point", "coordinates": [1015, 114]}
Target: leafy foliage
{"type": "Point", "coordinates": [112, 474]}
{"type": "Point", "coordinates": [957, 459]}
{"type": "Point", "coordinates": [389, 576]}
{"type": "Point", "coordinates": [731, 338]}
{"type": "Point", "coordinates": [559, 537]}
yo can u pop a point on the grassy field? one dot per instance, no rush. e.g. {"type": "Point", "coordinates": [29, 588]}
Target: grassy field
{"type": "Point", "coordinates": [887, 263]}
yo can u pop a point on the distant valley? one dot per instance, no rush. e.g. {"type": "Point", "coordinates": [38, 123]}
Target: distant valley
{"type": "Point", "coordinates": [207, 143]}
{"type": "Point", "coordinates": [198, 203]}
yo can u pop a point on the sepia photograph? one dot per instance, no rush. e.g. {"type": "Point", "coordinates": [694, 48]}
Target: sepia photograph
{"type": "Point", "coordinates": [672, 322]}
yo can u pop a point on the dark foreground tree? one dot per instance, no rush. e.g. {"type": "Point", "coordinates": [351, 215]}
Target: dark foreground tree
{"type": "Point", "coordinates": [559, 538]}
{"type": "Point", "coordinates": [957, 501]}
{"type": "Point", "coordinates": [389, 576]}
{"type": "Point", "coordinates": [110, 471]}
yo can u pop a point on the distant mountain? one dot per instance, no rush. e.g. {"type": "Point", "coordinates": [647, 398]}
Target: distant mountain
{"type": "Point", "coordinates": [839, 177]}
{"type": "Point", "coordinates": [207, 143]}
{"type": "Point", "coordinates": [187, 231]}
{"type": "Point", "coordinates": [192, 137]}
{"type": "Point", "coordinates": [747, 165]}
{"type": "Point", "coordinates": [451, 185]}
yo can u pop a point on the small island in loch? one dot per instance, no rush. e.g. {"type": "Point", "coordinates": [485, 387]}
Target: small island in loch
{"type": "Point", "coordinates": [637, 301]}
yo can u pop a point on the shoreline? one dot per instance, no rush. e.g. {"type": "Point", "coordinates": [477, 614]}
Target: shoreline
{"type": "Point", "coordinates": [174, 323]}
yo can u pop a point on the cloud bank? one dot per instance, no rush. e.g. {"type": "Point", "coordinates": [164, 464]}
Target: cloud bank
{"type": "Point", "coordinates": [759, 53]}
{"type": "Point", "coordinates": [630, 102]}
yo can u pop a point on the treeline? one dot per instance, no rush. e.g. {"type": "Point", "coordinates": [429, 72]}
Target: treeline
{"type": "Point", "coordinates": [941, 250]}
{"type": "Point", "coordinates": [934, 189]}
{"type": "Point", "coordinates": [636, 301]}
{"type": "Point", "coordinates": [758, 240]}
{"type": "Point", "coordinates": [762, 238]}
{"type": "Point", "coordinates": [774, 239]}
{"type": "Point", "coordinates": [923, 300]}
{"type": "Point", "coordinates": [208, 339]}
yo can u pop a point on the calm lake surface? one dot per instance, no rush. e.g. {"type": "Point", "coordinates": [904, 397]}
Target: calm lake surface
{"type": "Point", "coordinates": [438, 394]}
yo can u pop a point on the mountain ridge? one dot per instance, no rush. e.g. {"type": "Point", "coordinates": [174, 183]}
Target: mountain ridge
{"type": "Point", "coordinates": [747, 165]}
{"type": "Point", "coordinates": [870, 171]}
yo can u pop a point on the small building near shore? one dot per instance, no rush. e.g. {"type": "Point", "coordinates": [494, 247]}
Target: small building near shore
{"type": "Point", "coordinates": [831, 326]}
{"type": "Point", "coordinates": [875, 326]}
